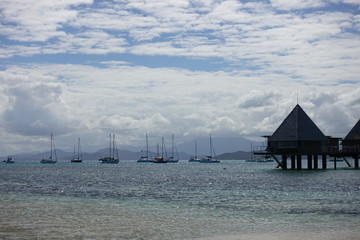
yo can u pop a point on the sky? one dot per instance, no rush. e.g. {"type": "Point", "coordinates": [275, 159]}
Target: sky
{"type": "Point", "coordinates": [87, 68]}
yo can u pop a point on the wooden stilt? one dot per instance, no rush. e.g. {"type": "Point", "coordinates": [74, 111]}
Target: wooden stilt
{"type": "Point", "coordinates": [356, 160]}
{"type": "Point", "coordinates": [324, 163]}
{"type": "Point", "coordinates": [309, 161]}
{"type": "Point", "coordinates": [298, 159]}
{"type": "Point", "coordinates": [293, 162]}
{"type": "Point", "coordinates": [315, 162]}
{"type": "Point", "coordinates": [284, 162]}
{"type": "Point", "coordinates": [335, 160]}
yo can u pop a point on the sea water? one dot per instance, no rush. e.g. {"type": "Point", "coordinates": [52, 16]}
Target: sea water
{"type": "Point", "coordinates": [129, 200]}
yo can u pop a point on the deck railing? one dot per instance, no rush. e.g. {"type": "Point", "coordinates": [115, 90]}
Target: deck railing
{"type": "Point", "coordinates": [324, 150]}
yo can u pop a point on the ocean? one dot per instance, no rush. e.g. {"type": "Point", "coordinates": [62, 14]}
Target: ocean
{"type": "Point", "coordinates": [130, 200]}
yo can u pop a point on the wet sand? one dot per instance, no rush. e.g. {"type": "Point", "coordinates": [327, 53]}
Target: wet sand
{"type": "Point", "coordinates": [335, 235]}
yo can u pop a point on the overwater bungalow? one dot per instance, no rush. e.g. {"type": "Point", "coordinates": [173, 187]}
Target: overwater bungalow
{"type": "Point", "coordinates": [299, 136]}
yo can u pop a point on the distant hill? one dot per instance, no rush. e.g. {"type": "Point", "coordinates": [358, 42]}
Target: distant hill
{"type": "Point", "coordinates": [239, 155]}
{"type": "Point", "coordinates": [221, 145]}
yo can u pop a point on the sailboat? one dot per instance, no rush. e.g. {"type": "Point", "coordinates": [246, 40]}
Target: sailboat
{"type": "Point", "coordinates": [77, 158]}
{"type": "Point", "coordinates": [146, 158]}
{"type": "Point", "coordinates": [10, 159]}
{"type": "Point", "coordinates": [172, 159]}
{"type": "Point", "coordinates": [252, 158]}
{"type": "Point", "coordinates": [211, 158]}
{"type": "Point", "coordinates": [52, 150]}
{"type": "Point", "coordinates": [195, 158]}
{"type": "Point", "coordinates": [160, 158]}
{"type": "Point", "coordinates": [113, 152]}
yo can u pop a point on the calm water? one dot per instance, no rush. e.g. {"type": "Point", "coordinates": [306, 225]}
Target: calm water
{"type": "Point", "coordinates": [173, 201]}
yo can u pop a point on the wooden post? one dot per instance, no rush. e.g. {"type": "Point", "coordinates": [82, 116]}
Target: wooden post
{"type": "Point", "coordinates": [309, 161]}
{"type": "Point", "coordinates": [284, 162]}
{"type": "Point", "coordinates": [356, 162]}
{"type": "Point", "coordinates": [298, 159]}
{"type": "Point", "coordinates": [315, 162]}
{"type": "Point", "coordinates": [335, 160]}
{"type": "Point", "coordinates": [324, 162]}
{"type": "Point", "coordinates": [292, 162]}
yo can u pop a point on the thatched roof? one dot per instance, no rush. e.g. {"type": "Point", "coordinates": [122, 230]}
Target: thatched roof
{"type": "Point", "coordinates": [297, 126]}
{"type": "Point", "coordinates": [354, 133]}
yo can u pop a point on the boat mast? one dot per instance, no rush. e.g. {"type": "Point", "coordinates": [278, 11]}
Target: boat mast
{"type": "Point", "coordinates": [115, 149]}
{"type": "Point", "coordinates": [114, 146]}
{"type": "Point", "coordinates": [147, 146]}
{"type": "Point", "coordinates": [110, 145]}
{"type": "Point", "coordinates": [157, 149]}
{"type": "Point", "coordinates": [172, 146]}
{"type": "Point", "coordinates": [162, 147]}
{"type": "Point", "coordinates": [210, 146]}
{"type": "Point", "coordinates": [51, 146]}
{"type": "Point", "coordinates": [79, 148]}
{"type": "Point", "coordinates": [195, 149]}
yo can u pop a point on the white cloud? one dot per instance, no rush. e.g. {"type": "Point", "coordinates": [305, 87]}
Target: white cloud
{"type": "Point", "coordinates": [256, 99]}
{"type": "Point", "coordinates": [354, 2]}
{"type": "Point", "coordinates": [35, 110]}
{"type": "Point", "coordinates": [297, 4]}
{"type": "Point", "coordinates": [26, 20]}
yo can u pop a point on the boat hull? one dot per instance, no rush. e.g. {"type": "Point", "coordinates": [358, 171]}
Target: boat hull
{"type": "Point", "coordinates": [110, 160]}
{"type": "Point", "coordinates": [48, 161]}
{"type": "Point", "coordinates": [76, 161]}
{"type": "Point", "coordinates": [194, 159]}
{"type": "Point", "coordinates": [160, 160]}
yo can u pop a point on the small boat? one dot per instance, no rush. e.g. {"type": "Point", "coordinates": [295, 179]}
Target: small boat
{"type": "Point", "coordinates": [52, 151]}
{"type": "Point", "coordinates": [195, 158]}
{"type": "Point", "coordinates": [77, 158]}
{"type": "Point", "coordinates": [113, 152]}
{"type": "Point", "coordinates": [146, 158]}
{"type": "Point", "coordinates": [265, 158]}
{"type": "Point", "coordinates": [172, 158]}
{"type": "Point", "coordinates": [160, 158]}
{"type": "Point", "coordinates": [10, 159]}
{"type": "Point", "coordinates": [212, 157]}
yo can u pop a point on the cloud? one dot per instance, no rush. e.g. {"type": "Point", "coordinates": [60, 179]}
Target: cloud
{"type": "Point", "coordinates": [259, 99]}
{"type": "Point", "coordinates": [35, 110]}
{"type": "Point", "coordinates": [24, 20]}
{"type": "Point", "coordinates": [297, 4]}
{"type": "Point", "coordinates": [244, 35]}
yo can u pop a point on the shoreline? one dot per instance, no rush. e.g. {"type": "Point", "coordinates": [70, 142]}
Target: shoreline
{"type": "Point", "coordinates": [301, 235]}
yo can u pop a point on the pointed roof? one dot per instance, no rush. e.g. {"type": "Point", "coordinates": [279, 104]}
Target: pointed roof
{"type": "Point", "coordinates": [354, 133]}
{"type": "Point", "coordinates": [297, 126]}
